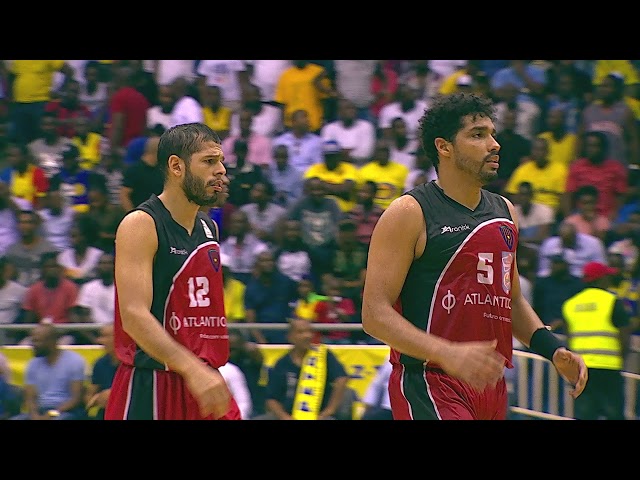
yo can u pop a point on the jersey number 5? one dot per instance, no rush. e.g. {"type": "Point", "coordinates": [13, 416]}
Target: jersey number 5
{"type": "Point", "coordinates": [485, 270]}
{"type": "Point", "coordinates": [198, 290]}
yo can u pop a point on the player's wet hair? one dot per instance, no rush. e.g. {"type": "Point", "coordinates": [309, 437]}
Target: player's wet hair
{"type": "Point", "coordinates": [444, 119]}
{"type": "Point", "coordinates": [183, 140]}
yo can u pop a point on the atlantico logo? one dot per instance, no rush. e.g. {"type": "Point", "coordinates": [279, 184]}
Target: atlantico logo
{"type": "Point", "coordinates": [459, 228]}
{"type": "Point", "coordinates": [449, 301]}
{"type": "Point", "coordinates": [176, 323]}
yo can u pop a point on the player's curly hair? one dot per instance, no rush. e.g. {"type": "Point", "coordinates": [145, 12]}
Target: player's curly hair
{"type": "Point", "coordinates": [444, 119]}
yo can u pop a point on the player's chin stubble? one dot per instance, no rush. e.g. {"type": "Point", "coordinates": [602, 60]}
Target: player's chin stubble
{"type": "Point", "coordinates": [482, 173]}
{"type": "Point", "coordinates": [196, 191]}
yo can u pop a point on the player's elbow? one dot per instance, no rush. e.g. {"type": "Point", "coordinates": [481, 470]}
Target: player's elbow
{"type": "Point", "coordinates": [129, 320]}
{"type": "Point", "coordinates": [370, 320]}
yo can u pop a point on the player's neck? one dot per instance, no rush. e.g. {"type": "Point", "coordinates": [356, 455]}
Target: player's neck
{"type": "Point", "coordinates": [182, 210]}
{"type": "Point", "coordinates": [460, 189]}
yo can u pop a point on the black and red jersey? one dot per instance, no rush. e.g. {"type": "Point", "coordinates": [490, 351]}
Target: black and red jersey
{"type": "Point", "coordinates": [187, 291]}
{"type": "Point", "coordinates": [460, 288]}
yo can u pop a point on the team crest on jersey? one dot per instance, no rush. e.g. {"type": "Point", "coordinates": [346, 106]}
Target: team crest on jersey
{"type": "Point", "coordinates": [214, 256]}
{"type": "Point", "coordinates": [507, 235]}
{"type": "Point", "coordinates": [507, 261]}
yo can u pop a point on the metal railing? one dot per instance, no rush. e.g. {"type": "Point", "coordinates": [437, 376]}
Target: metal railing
{"type": "Point", "coordinates": [540, 392]}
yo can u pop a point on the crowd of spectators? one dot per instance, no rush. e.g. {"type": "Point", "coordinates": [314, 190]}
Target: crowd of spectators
{"type": "Point", "coordinates": [315, 151]}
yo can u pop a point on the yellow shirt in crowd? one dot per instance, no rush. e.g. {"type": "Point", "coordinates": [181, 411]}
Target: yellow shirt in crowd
{"type": "Point", "coordinates": [343, 172]}
{"type": "Point", "coordinates": [548, 183]}
{"type": "Point", "coordinates": [564, 150]}
{"type": "Point", "coordinates": [602, 68]}
{"type": "Point", "coordinates": [390, 178]}
{"type": "Point", "coordinates": [296, 91]}
{"type": "Point", "coordinates": [34, 79]}
{"type": "Point", "coordinates": [89, 150]}
{"type": "Point", "coordinates": [234, 300]}
{"type": "Point", "coordinates": [219, 121]}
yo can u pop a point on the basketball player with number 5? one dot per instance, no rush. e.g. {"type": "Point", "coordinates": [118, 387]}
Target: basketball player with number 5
{"type": "Point", "coordinates": [442, 286]}
{"type": "Point", "coordinates": [170, 327]}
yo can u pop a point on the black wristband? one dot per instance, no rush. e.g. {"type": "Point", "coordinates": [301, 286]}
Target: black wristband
{"type": "Point", "coordinates": [544, 343]}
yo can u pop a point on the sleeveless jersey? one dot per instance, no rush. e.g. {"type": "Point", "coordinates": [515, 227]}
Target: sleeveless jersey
{"type": "Point", "coordinates": [460, 288]}
{"type": "Point", "coordinates": [187, 291]}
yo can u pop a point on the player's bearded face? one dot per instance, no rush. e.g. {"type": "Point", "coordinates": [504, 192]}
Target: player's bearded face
{"type": "Point", "coordinates": [481, 170]}
{"type": "Point", "coordinates": [195, 189]}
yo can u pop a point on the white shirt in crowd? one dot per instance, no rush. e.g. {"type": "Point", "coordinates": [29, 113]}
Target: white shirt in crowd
{"type": "Point", "coordinates": [95, 100]}
{"type": "Point", "coordinates": [266, 74]}
{"type": "Point", "coordinates": [268, 122]}
{"type": "Point", "coordinates": [186, 110]}
{"type": "Point", "coordinates": [224, 74]}
{"type": "Point", "coordinates": [412, 117]}
{"type": "Point", "coordinates": [11, 298]}
{"type": "Point", "coordinates": [237, 383]}
{"type": "Point", "coordinates": [444, 68]}
{"type": "Point", "coordinates": [85, 269]}
{"type": "Point", "coordinates": [377, 394]}
{"type": "Point", "coordinates": [353, 80]}
{"type": "Point", "coordinates": [406, 156]}
{"type": "Point", "coordinates": [100, 299]}
{"type": "Point", "coordinates": [359, 138]}
{"type": "Point", "coordinates": [170, 70]}
{"type": "Point", "coordinates": [8, 229]}
{"type": "Point", "coordinates": [539, 214]}
{"type": "Point", "coordinates": [57, 228]}
{"type": "Point", "coordinates": [78, 74]}
{"type": "Point", "coordinates": [156, 116]}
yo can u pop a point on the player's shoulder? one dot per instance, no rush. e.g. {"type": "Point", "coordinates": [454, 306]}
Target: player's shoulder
{"type": "Point", "coordinates": [137, 226]}
{"type": "Point", "coordinates": [136, 218]}
{"type": "Point", "coordinates": [403, 215]}
{"type": "Point", "coordinates": [404, 204]}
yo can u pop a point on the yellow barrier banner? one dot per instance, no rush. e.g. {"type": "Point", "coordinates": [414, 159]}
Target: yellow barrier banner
{"type": "Point", "coordinates": [360, 361]}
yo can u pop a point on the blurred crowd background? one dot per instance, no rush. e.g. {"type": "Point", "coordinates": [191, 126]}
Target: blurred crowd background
{"type": "Point", "coordinates": [315, 151]}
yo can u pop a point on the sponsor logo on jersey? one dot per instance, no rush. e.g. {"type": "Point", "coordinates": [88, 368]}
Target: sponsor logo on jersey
{"type": "Point", "coordinates": [448, 301]}
{"type": "Point", "coordinates": [507, 260]}
{"type": "Point", "coordinates": [176, 251]}
{"type": "Point", "coordinates": [176, 323]}
{"type": "Point", "coordinates": [459, 228]}
{"type": "Point", "coordinates": [487, 299]}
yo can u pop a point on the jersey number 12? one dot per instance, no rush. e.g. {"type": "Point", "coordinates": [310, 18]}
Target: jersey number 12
{"type": "Point", "coordinates": [198, 290]}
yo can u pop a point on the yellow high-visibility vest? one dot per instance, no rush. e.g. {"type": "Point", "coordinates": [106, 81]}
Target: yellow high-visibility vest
{"type": "Point", "coordinates": [590, 329]}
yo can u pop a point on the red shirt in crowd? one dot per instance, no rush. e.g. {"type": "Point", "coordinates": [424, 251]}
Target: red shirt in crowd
{"type": "Point", "coordinates": [610, 179]}
{"type": "Point", "coordinates": [327, 312]}
{"type": "Point", "coordinates": [133, 105]}
{"type": "Point", "coordinates": [66, 116]}
{"type": "Point", "coordinates": [53, 303]}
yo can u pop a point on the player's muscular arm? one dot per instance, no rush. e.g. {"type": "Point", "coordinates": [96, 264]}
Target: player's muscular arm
{"type": "Point", "coordinates": [399, 234]}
